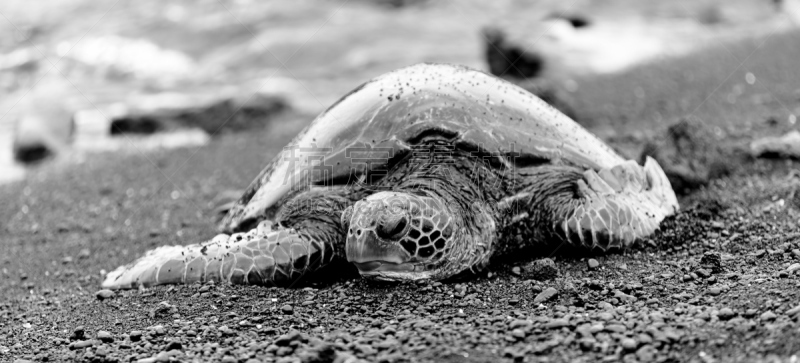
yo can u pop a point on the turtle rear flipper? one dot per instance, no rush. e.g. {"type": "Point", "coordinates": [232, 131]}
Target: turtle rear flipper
{"type": "Point", "coordinates": [618, 206]}
{"type": "Point", "coordinates": [259, 257]}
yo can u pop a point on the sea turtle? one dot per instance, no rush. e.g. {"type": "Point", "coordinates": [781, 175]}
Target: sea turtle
{"type": "Point", "coordinates": [422, 173]}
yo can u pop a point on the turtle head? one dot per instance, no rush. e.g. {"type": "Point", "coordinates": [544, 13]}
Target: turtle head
{"type": "Point", "coordinates": [405, 236]}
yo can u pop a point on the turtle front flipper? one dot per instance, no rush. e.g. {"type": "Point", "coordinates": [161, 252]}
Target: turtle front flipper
{"type": "Point", "coordinates": [262, 256]}
{"type": "Point", "coordinates": [617, 206]}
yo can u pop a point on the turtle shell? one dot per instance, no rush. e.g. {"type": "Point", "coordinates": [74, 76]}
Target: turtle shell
{"type": "Point", "coordinates": [369, 127]}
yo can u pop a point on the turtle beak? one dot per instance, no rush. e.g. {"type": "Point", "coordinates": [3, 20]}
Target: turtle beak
{"type": "Point", "coordinates": [366, 249]}
{"type": "Point", "coordinates": [373, 243]}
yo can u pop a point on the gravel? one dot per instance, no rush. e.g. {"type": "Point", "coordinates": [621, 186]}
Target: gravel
{"type": "Point", "coordinates": [104, 294]}
{"type": "Point", "coordinates": [733, 229]}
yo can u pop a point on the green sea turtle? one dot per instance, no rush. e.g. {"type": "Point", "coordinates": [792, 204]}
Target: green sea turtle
{"type": "Point", "coordinates": [422, 173]}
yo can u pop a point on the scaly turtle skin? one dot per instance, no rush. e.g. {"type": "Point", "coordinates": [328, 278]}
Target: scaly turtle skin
{"type": "Point", "coordinates": [422, 173]}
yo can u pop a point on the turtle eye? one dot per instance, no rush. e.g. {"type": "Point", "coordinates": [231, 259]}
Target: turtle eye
{"type": "Point", "coordinates": [391, 229]}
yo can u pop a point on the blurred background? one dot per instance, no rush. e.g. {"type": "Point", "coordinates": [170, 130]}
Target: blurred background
{"type": "Point", "coordinates": [81, 77]}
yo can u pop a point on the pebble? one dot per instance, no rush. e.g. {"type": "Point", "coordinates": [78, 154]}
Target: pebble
{"type": "Point", "coordinates": [557, 323]}
{"type": "Point", "coordinates": [587, 343]}
{"type": "Point", "coordinates": [542, 270]}
{"type": "Point", "coordinates": [288, 338]}
{"type": "Point", "coordinates": [712, 261]}
{"type": "Point", "coordinates": [173, 345]}
{"type": "Point", "coordinates": [628, 344]}
{"type": "Point", "coordinates": [616, 328]}
{"type": "Point", "coordinates": [135, 335]}
{"type": "Point", "coordinates": [646, 353]}
{"type": "Point", "coordinates": [84, 253]}
{"type": "Point", "coordinates": [714, 291]}
{"type": "Point", "coordinates": [77, 333]}
{"type": "Point", "coordinates": [726, 314]}
{"type": "Point", "coordinates": [793, 267]}
{"type": "Point", "coordinates": [593, 264]}
{"type": "Point", "coordinates": [81, 344]}
{"type": "Point", "coordinates": [287, 309]}
{"type": "Point", "coordinates": [105, 336]}
{"type": "Point", "coordinates": [105, 294]}
{"type": "Point", "coordinates": [518, 333]}
{"type": "Point", "coordinates": [793, 311]}
{"type": "Point", "coordinates": [768, 316]}
{"type": "Point", "coordinates": [162, 309]}
{"type": "Point", "coordinates": [101, 352]}
{"type": "Point", "coordinates": [545, 295]}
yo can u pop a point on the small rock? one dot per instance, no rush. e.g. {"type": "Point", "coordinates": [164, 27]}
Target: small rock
{"type": "Point", "coordinates": [714, 291]}
{"type": "Point", "coordinates": [84, 254]}
{"type": "Point", "coordinates": [726, 314]}
{"type": "Point", "coordinates": [105, 337]}
{"type": "Point", "coordinates": [287, 309]}
{"type": "Point", "coordinates": [225, 330]}
{"type": "Point", "coordinates": [545, 295]}
{"type": "Point", "coordinates": [543, 269]}
{"type": "Point", "coordinates": [104, 294]}
{"type": "Point", "coordinates": [173, 345]}
{"type": "Point", "coordinates": [593, 264]}
{"type": "Point", "coordinates": [557, 323]}
{"type": "Point", "coordinates": [712, 261]}
{"type": "Point", "coordinates": [646, 353]}
{"type": "Point", "coordinates": [628, 344]}
{"type": "Point", "coordinates": [616, 328]}
{"type": "Point", "coordinates": [81, 344]}
{"type": "Point", "coordinates": [169, 355]}
{"type": "Point", "coordinates": [768, 316]}
{"type": "Point", "coordinates": [77, 333]}
{"type": "Point", "coordinates": [101, 352]}
{"type": "Point", "coordinates": [135, 335]}
{"type": "Point", "coordinates": [284, 351]}
{"type": "Point", "coordinates": [162, 309]}
{"type": "Point", "coordinates": [288, 338]}
{"type": "Point", "coordinates": [587, 343]}
{"type": "Point", "coordinates": [793, 267]}
{"type": "Point", "coordinates": [793, 311]}
{"type": "Point", "coordinates": [749, 313]}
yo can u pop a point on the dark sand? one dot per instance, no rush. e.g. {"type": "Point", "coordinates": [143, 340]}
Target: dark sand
{"type": "Point", "coordinates": [63, 226]}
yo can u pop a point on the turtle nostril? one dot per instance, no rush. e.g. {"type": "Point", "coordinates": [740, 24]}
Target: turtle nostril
{"type": "Point", "coordinates": [392, 229]}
